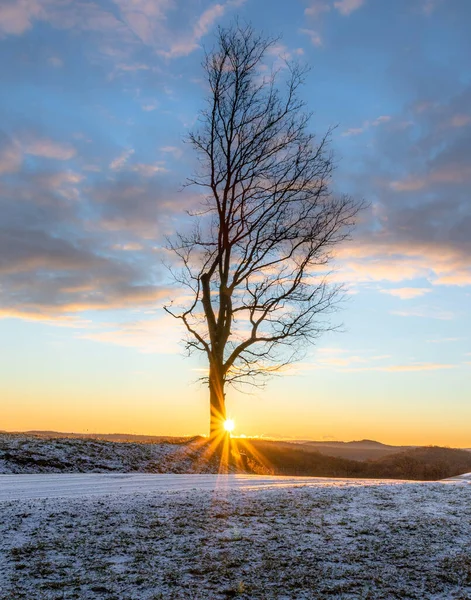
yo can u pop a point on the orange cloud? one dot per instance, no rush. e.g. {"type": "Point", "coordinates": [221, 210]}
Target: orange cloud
{"type": "Point", "coordinates": [387, 260]}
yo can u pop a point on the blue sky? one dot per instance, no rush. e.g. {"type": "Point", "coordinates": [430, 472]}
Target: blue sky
{"type": "Point", "coordinates": [97, 98]}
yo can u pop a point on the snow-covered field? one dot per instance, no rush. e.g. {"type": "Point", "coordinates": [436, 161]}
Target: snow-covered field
{"type": "Point", "coordinates": [23, 453]}
{"type": "Point", "coordinates": [67, 485]}
{"type": "Point", "coordinates": [210, 538]}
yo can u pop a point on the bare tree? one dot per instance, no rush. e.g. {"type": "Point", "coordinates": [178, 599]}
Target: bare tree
{"type": "Point", "coordinates": [255, 263]}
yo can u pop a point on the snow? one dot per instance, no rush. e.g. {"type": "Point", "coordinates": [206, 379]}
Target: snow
{"type": "Point", "coordinates": [98, 520]}
{"type": "Point", "coordinates": [23, 453]}
{"type": "Point", "coordinates": [67, 485]}
{"type": "Point", "coordinates": [149, 537]}
{"type": "Point", "coordinates": [465, 478]}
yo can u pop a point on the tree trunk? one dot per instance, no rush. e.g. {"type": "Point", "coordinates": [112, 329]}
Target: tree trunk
{"type": "Point", "coordinates": [217, 404]}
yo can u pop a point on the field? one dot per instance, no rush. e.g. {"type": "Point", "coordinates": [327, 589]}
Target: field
{"type": "Point", "coordinates": [330, 540]}
{"type": "Point", "coordinates": [99, 520]}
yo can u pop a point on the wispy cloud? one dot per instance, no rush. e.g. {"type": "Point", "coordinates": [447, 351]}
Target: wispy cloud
{"type": "Point", "coordinates": [119, 162]}
{"type": "Point", "coordinates": [48, 148]}
{"type": "Point", "coordinates": [314, 36]}
{"type": "Point", "coordinates": [187, 44]}
{"type": "Point", "coordinates": [151, 335]}
{"type": "Point", "coordinates": [11, 157]}
{"type": "Point", "coordinates": [460, 120]}
{"type": "Point", "coordinates": [148, 170]}
{"type": "Point", "coordinates": [380, 120]}
{"type": "Point", "coordinates": [346, 7]}
{"type": "Point", "coordinates": [55, 61]}
{"type": "Point", "coordinates": [366, 125]}
{"type": "Point", "coordinates": [317, 8]}
{"type": "Point", "coordinates": [150, 106]}
{"type": "Point", "coordinates": [417, 367]}
{"type": "Point", "coordinates": [173, 150]}
{"type": "Point", "coordinates": [429, 6]}
{"type": "Point", "coordinates": [145, 17]}
{"type": "Point", "coordinates": [449, 175]}
{"type": "Point", "coordinates": [406, 293]}
{"type": "Point", "coordinates": [426, 313]}
{"type": "Point", "coordinates": [353, 131]}
{"type": "Point", "coordinates": [18, 16]}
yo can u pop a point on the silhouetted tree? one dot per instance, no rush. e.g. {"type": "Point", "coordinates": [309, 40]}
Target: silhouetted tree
{"type": "Point", "coordinates": [255, 262]}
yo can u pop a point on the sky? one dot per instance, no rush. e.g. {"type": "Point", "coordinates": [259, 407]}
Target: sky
{"type": "Point", "coordinates": [97, 99]}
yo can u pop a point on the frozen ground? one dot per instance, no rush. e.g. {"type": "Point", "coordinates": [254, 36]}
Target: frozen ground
{"type": "Point", "coordinates": [23, 453]}
{"type": "Point", "coordinates": [71, 485]}
{"type": "Point", "coordinates": [334, 539]}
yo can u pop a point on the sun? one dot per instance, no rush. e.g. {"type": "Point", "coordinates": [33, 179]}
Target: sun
{"type": "Point", "coordinates": [229, 425]}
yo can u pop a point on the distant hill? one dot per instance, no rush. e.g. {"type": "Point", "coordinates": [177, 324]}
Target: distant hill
{"type": "Point", "coordinates": [424, 463]}
{"type": "Point", "coordinates": [356, 450]}
{"type": "Point", "coordinates": [52, 452]}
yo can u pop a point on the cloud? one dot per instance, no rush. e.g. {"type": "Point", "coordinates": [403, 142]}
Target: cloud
{"type": "Point", "coordinates": [47, 148]}
{"type": "Point", "coordinates": [418, 180]}
{"type": "Point", "coordinates": [11, 156]}
{"type": "Point", "coordinates": [55, 61]}
{"type": "Point", "coordinates": [346, 7]}
{"type": "Point", "coordinates": [17, 16]}
{"type": "Point", "coordinates": [188, 43]}
{"type": "Point", "coordinates": [176, 152]}
{"type": "Point", "coordinates": [448, 175]}
{"type": "Point", "coordinates": [460, 120]}
{"type": "Point", "coordinates": [151, 335]}
{"type": "Point", "coordinates": [425, 313]}
{"type": "Point", "coordinates": [404, 368]}
{"type": "Point", "coordinates": [339, 360]}
{"type": "Point", "coordinates": [417, 367]}
{"type": "Point", "coordinates": [150, 106]}
{"type": "Point", "coordinates": [314, 36]}
{"type": "Point", "coordinates": [353, 131]}
{"type": "Point", "coordinates": [43, 276]}
{"type": "Point", "coordinates": [317, 8]}
{"type": "Point", "coordinates": [141, 206]}
{"type": "Point", "coordinates": [12, 151]}
{"type": "Point", "coordinates": [118, 163]}
{"type": "Point", "coordinates": [406, 293]}
{"type": "Point", "coordinates": [375, 123]}
{"type": "Point", "coordinates": [384, 256]}
{"type": "Point", "coordinates": [381, 120]}
{"type": "Point", "coordinates": [132, 67]}
{"type": "Point", "coordinates": [429, 6]}
{"type": "Point", "coordinates": [148, 170]}
{"type": "Point", "coordinates": [144, 16]}
{"type": "Point", "coordinates": [71, 243]}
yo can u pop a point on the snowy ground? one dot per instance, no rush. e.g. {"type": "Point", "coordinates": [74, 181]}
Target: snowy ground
{"type": "Point", "coordinates": [23, 453]}
{"type": "Point", "coordinates": [332, 539]}
{"type": "Point", "coordinates": [71, 485]}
